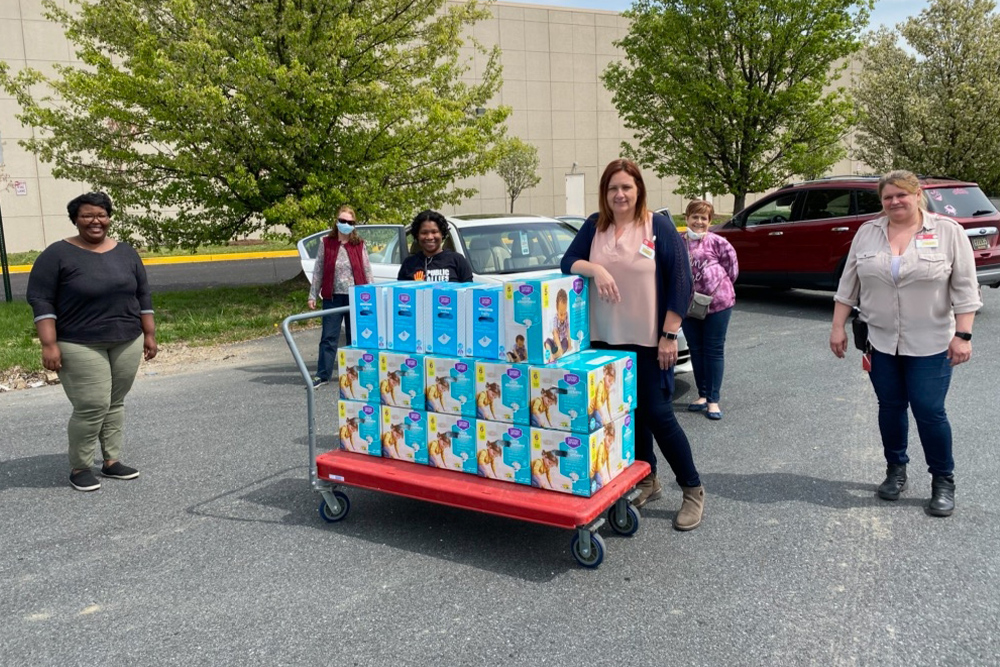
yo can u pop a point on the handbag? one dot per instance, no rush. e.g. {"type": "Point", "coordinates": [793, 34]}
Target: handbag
{"type": "Point", "coordinates": [699, 305]}
{"type": "Point", "coordinates": [860, 328]}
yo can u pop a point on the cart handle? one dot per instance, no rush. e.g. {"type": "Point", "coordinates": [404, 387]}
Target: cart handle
{"type": "Point", "coordinates": [307, 377]}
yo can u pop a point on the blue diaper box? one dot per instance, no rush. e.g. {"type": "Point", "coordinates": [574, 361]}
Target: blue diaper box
{"type": "Point", "coordinates": [582, 463]}
{"type": "Point", "coordinates": [359, 427]}
{"type": "Point", "coordinates": [451, 442]}
{"type": "Point", "coordinates": [401, 379]}
{"type": "Point", "coordinates": [583, 392]}
{"type": "Point", "coordinates": [444, 322]}
{"type": "Point", "coordinates": [367, 317]}
{"type": "Point", "coordinates": [485, 309]}
{"type": "Point", "coordinates": [404, 303]}
{"type": "Point", "coordinates": [358, 374]}
{"type": "Point", "coordinates": [545, 318]}
{"type": "Point", "coordinates": [449, 385]}
{"type": "Point", "coordinates": [503, 451]}
{"type": "Point", "coordinates": [404, 434]}
{"type": "Point", "coordinates": [502, 392]}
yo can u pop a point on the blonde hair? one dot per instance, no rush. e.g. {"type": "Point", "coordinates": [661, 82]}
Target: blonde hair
{"type": "Point", "coordinates": [904, 180]}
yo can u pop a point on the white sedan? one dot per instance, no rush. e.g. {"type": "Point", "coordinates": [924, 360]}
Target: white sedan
{"type": "Point", "coordinates": [500, 247]}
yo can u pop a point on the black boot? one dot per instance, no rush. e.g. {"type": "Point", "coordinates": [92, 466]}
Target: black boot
{"type": "Point", "coordinates": [942, 496]}
{"type": "Point", "coordinates": [895, 481]}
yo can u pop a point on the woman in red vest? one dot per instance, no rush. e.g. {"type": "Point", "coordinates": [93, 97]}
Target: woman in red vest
{"type": "Point", "coordinates": [334, 274]}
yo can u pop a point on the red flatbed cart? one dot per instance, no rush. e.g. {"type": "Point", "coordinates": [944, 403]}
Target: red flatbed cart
{"type": "Point", "coordinates": [515, 501]}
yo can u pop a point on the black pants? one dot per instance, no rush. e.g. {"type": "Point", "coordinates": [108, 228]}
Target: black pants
{"type": "Point", "coordinates": [654, 416]}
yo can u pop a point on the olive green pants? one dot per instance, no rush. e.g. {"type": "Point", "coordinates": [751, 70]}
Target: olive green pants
{"type": "Point", "coordinates": [96, 378]}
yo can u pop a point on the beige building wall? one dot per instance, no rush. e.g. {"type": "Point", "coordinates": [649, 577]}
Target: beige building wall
{"type": "Point", "coordinates": [552, 60]}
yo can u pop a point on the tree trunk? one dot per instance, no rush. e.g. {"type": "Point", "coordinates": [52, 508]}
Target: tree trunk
{"type": "Point", "coordinates": [739, 201]}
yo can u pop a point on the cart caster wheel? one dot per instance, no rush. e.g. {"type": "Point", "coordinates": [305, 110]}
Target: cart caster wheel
{"type": "Point", "coordinates": [596, 556]}
{"type": "Point", "coordinates": [328, 515]}
{"type": "Point", "coordinates": [624, 523]}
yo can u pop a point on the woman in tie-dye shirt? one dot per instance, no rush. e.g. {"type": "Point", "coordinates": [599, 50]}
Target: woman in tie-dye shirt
{"type": "Point", "coordinates": [714, 269]}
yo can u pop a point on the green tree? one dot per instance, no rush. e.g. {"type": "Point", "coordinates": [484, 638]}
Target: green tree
{"type": "Point", "coordinates": [209, 119]}
{"type": "Point", "coordinates": [934, 106]}
{"type": "Point", "coordinates": [734, 96]}
{"type": "Point", "coordinates": [517, 166]}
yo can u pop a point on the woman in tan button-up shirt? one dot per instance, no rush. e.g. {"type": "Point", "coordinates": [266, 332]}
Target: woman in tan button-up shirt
{"type": "Point", "coordinates": [913, 276]}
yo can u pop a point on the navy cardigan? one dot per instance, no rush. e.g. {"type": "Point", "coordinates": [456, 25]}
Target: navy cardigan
{"type": "Point", "coordinates": [674, 286]}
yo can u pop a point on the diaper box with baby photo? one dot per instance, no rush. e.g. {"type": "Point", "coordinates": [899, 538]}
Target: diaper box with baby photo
{"type": "Point", "coordinates": [485, 309]}
{"type": "Point", "coordinates": [581, 463]}
{"type": "Point", "coordinates": [449, 385]}
{"type": "Point", "coordinates": [502, 391]}
{"type": "Point", "coordinates": [584, 391]}
{"type": "Point", "coordinates": [451, 442]}
{"type": "Point", "coordinates": [503, 451]}
{"type": "Point", "coordinates": [358, 374]}
{"type": "Point", "coordinates": [546, 318]}
{"type": "Point", "coordinates": [359, 427]}
{"type": "Point", "coordinates": [401, 379]}
{"type": "Point", "coordinates": [404, 434]}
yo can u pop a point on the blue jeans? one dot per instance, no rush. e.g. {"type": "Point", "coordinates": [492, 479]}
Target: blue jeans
{"type": "Point", "coordinates": [331, 336]}
{"type": "Point", "coordinates": [654, 417]}
{"type": "Point", "coordinates": [922, 384]}
{"type": "Point", "coordinates": [707, 342]}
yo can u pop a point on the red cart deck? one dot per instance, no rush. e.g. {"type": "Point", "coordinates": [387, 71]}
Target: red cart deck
{"type": "Point", "coordinates": [446, 487]}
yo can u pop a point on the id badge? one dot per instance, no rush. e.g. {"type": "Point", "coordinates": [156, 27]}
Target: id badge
{"type": "Point", "coordinates": [647, 249]}
{"type": "Point", "coordinates": [926, 240]}
{"type": "Point", "coordinates": [866, 363]}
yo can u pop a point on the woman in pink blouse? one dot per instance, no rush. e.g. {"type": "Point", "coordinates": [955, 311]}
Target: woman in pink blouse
{"type": "Point", "coordinates": [639, 272]}
{"type": "Point", "coordinates": [714, 269]}
{"type": "Point", "coordinates": [333, 276]}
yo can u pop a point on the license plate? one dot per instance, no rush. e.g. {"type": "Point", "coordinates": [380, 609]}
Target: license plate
{"type": "Point", "coordinates": [980, 242]}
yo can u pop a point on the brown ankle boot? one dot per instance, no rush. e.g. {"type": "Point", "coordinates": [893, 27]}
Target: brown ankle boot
{"type": "Point", "coordinates": [650, 490]}
{"type": "Point", "coordinates": [689, 515]}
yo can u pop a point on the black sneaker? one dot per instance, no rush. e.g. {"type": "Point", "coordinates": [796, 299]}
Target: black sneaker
{"type": "Point", "coordinates": [84, 480]}
{"type": "Point", "coordinates": [119, 471]}
{"type": "Point", "coordinates": [319, 382]}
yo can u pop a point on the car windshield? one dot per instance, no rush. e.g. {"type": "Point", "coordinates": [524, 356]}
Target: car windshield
{"type": "Point", "coordinates": [966, 201]}
{"type": "Point", "coordinates": [513, 248]}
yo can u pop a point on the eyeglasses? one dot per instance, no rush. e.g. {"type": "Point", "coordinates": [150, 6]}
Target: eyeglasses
{"type": "Point", "coordinates": [345, 222]}
{"type": "Point", "coordinates": [103, 217]}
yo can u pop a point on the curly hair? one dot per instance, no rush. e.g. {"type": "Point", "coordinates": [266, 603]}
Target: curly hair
{"type": "Point", "coordinates": [100, 199]}
{"type": "Point", "coordinates": [433, 216]}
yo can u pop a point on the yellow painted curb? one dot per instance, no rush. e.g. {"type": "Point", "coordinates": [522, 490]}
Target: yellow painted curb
{"type": "Point", "coordinates": [193, 259]}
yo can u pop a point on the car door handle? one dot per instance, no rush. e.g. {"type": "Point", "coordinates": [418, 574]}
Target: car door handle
{"type": "Point", "coordinates": [776, 233]}
{"type": "Point", "coordinates": [841, 229]}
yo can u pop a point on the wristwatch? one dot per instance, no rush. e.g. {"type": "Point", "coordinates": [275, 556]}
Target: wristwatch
{"type": "Point", "coordinates": [964, 335]}
{"type": "Point", "coordinates": [674, 335]}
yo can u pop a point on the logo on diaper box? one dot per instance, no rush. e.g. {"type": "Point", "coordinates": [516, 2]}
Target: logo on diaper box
{"type": "Point", "coordinates": [628, 363]}
{"type": "Point", "coordinates": [365, 296]}
{"type": "Point", "coordinates": [578, 285]}
{"type": "Point", "coordinates": [573, 442]}
{"type": "Point", "coordinates": [463, 424]}
{"type": "Point", "coordinates": [525, 289]}
{"type": "Point", "coordinates": [485, 301]}
{"type": "Point", "coordinates": [411, 363]}
{"type": "Point", "coordinates": [461, 368]}
{"type": "Point", "coordinates": [515, 432]}
{"type": "Point", "coordinates": [367, 409]}
{"type": "Point", "coordinates": [571, 378]}
{"type": "Point", "coordinates": [368, 357]}
{"type": "Point", "coordinates": [404, 298]}
{"type": "Point", "coordinates": [444, 300]}
{"type": "Point", "coordinates": [414, 416]}
{"type": "Point", "coordinates": [513, 373]}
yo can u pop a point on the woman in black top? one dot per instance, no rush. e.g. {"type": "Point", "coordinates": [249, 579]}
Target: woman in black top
{"type": "Point", "coordinates": [433, 263]}
{"type": "Point", "coordinates": [94, 316]}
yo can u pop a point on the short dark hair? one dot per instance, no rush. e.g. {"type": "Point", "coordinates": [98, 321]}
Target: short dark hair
{"type": "Point", "coordinates": [93, 198]}
{"type": "Point", "coordinates": [433, 216]}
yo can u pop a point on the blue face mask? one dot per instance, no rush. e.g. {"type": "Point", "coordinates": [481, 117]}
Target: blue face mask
{"type": "Point", "coordinates": [344, 228]}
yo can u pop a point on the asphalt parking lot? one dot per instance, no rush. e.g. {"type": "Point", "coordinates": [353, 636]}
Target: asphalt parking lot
{"type": "Point", "coordinates": [217, 556]}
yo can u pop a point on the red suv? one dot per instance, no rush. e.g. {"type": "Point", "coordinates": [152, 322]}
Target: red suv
{"type": "Point", "coordinates": [799, 236]}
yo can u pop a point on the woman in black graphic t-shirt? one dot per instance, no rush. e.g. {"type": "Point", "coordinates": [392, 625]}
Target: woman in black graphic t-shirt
{"type": "Point", "coordinates": [433, 263]}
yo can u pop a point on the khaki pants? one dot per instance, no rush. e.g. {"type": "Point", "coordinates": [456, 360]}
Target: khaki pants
{"type": "Point", "coordinates": [96, 378]}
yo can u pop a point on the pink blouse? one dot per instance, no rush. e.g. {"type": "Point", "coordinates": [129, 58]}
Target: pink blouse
{"type": "Point", "coordinates": [633, 319]}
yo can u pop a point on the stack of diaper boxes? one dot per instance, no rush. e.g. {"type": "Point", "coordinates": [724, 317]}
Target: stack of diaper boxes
{"type": "Point", "coordinates": [494, 380]}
